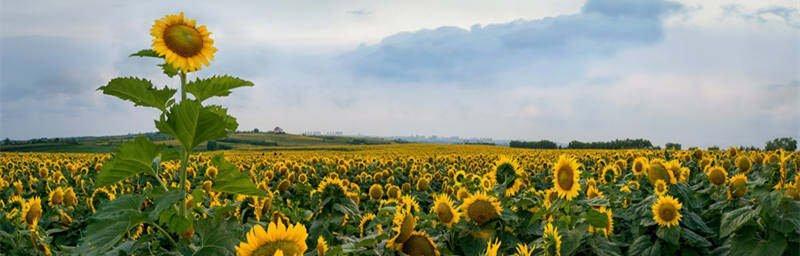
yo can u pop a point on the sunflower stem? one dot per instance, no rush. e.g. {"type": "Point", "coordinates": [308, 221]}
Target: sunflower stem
{"type": "Point", "coordinates": [183, 86]}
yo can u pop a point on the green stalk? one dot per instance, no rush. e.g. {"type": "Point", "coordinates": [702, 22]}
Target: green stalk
{"type": "Point", "coordinates": [186, 152]}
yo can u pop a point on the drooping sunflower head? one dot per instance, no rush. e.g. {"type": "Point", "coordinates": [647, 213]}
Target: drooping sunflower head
{"type": "Point", "coordinates": [289, 240]}
{"type": "Point", "coordinates": [737, 186]}
{"type": "Point", "coordinates": [640, 166]}
{"type": "Point", "coordinates": [403, 225]}
{"type": "Point", "coordinates": [444, 210]}
{"type": "Point", "coordinates": [322, 246]}
{"type": "Point", "coordinates": [566, 175]}
{"type": "Point", "coordinates": [674, 169]}
{"type": "Point", "coordinates": [717, 175]}
{"type": "Point", "coordinates": [667, 211]}
{"type": "Point", "coordinates": [56, 196]}
{"type": "Point", "coordinates": [420, 244]}
{"type": "Point", "coordinates": [332, 187]}
{"type": "Point", "coordinates": [743, 163]}
{"type": "Point", "coordinates": [550, 196]}
{"type": "Point", "coordinates": [185, 45]}
{"type": "Point", "coordinates": [592, 192]}
{"type": "Point", "coordinates": [481, 208]}
{"type": "Point", "coordinates": [658, 171]}
{"type": "Point", "coordinates": [553, 238]}
{"type": "Point", "coordinates": [508, 174]}
{"type": "Point", "coordinates": [32, 212]}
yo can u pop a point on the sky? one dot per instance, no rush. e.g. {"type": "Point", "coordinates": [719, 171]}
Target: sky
{"type": "Point", "coordinates": [697, 72]}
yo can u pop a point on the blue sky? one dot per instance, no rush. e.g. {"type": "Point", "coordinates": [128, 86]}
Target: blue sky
{"type": "Point", "coordinates": [696, 72]}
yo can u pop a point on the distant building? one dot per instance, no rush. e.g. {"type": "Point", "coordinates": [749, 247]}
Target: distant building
{"type": "Point", "coordinates": [278, 130]}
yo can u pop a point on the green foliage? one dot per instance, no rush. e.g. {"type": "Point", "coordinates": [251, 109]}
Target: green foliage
{"type": "Point", "coordinates": [110, 223]}
{"type": "Point", "coordinates": [192, 124]}
{"type": "Point", "coordinates": [733, 220]}
{"type": "Point", "coordinates": [231, 180]}
{"type": "Point", "coordinates": [785, 143]}
{"type": "Point", "coordinates": [203, 89]}
{"type": "Point", "coordinates": [132, 158]}
{"type": "Point", "coordinates": [139, 91]}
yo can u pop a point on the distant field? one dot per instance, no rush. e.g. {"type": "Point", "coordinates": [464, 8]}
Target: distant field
{"type": "Point", "coordinates": [240, 141]}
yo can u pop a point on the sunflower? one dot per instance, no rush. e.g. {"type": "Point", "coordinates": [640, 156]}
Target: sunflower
{"type": "Point", "coordinates": [362, 224]}
{"type": "Point", "coordinates": [492, 248]}
{"type": "Point", "coordinates": [278, 238]}
{"type": "Point", "coordinates": [509, 174]}
{"type": "Point", "coordinates": [737, 186]}
{"type": "Point", "coordinates": [667, 211]}
{"type": "Point", "coordinates": [551, 233]}
{"type": "Point", "coordinates": [592, 192]}
{"type": "Point", "coordinates": [332, 188]}
{"type": "Point", "coordinates": [185, 45]}
{"type": "Point", "coordinates": [481, 208]}
{"type": "Point", "coordinates": [444, 210]}
{"type": "Point", "coordinates": [376, 192]}
{"type": "Point", "coordinates": [660, 187]}
{"type": "Point", "coordinates": [56, 197]}
{"type": "Point", "coordinates": [419, 244]}
{"type": "Point", "coordinates": [717, 175]}
{"type": "Point", "coordinates": [550, 196]}
{"type": "Point", "coordinates": [403, 225]}
{"type": "Point", "coordinates": [658, 171]}
{"type": "Point", "coordinates": [609, 229]}
{"type": "Point", "coordinates": [743, 163]}
{"type": "Point", "coordinates": [523, 250]}
{"type": "Point", "coordinates": [674, 169]}
{"type": "Point", "coordinates": [32, 212]}
{"type": "Point", "coordinates": [566, 176]}
{"type": "Point", "coordinates": [322, 246]}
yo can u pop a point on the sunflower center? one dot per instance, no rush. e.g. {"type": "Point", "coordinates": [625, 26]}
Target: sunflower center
{"type": "Point", "coordinates": [667, 213]}
{"type": "Point", "coordinates": [481, 211]}
{"type": "Point", "coordinates": [184, 40]}
{"type": "Point", "coordinates": [444, 213]}
{"type": "Point", "coordinates": [287, 247]}
{"type": "Point", "coordinates": [418, 245]}
{"type": "Point", "coordinates": [566, 178]}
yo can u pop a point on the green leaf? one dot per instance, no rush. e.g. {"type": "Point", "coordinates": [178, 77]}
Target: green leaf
{"type": "Point", "coordinates": [139, 91]}
{"type": "Point", "coordinates": [748, 244]}
{"type": "Point", "coordinates": [695, 222]}
{"type": "Point", "coordinates": [192, 124]}
{"type": "Point", "coordinates": [672, 235]}
{"type": "Point", "coordinates": [230, 121]}
{"type": "Point", "coordinates": [230, 180]}
{"type": "Point", "coordinates": [163, 202]}
{"type": "Point", "coordinates": [733, 220]}
{"type": "Point", "coordinates": [132, 158]}
{"type": "Point", "coordinates": [146, 53]}
{"type": "Point", "coordinates": [596, 218]}
{"type": "Point", "coordinates": [694, 239]}
{"type": "Point", "coordinates": [203, 89]}
{"type": "Point", "coordinates": [217, 236]}
{"type": "Point", "coordinates": [640, 245]}
{"type": "Point", "coordinates": [110, 223]}
{"type": "Point", "coordinates": [168, 69]}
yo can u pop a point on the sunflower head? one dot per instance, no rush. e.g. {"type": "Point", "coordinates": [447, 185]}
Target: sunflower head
{"type": "Point", "coordinates": [658, 171]}
{"type": "Point", "coordinates": [322, 246]}
{"type": "Point", "coordinates": [553, 238]}
{"type": "Point", "coordinates": [32, 212]}
{"type": "Point", "coordinates": [609, 228]}
{"type": "Point", "coordinates": [444, 210]}
{"type": "Point", "coordinates": [403, 225]}
{"type": "Point", "coordinates": [660, 187]}
{"type": "Point", "coordinates": [743, 163]}
{"type": "Point", "coordinates": [419, 244]}
{"type": "Point", "coordinates": [332, 188]}
{"type": "Point", "coordinates": [185, 45]}
{"type": "Point", "coordinates": [56, 196]}
{"type": "Point", "coordinates": [737, 186]}
{"type": "Point", "coordinates": [566, 175]}
{"type": "Point", "coordinates": [289, 240]}
{"type": "Point", "coordinates": [592, 192]}
{"type": "Point", "coordinates": [508, 174]}
{"type": "Point", "coordinates": [640, 166]}
{"type": "Point", "coordinates": [717, 175]}
{"type": "Point", "coordinates": [376, 191]}
{"type": "Point", "coordinates": [523, 250]}
{"type": "Point", "coordinates": [667, 211]}
{"type": "Point", "coordinates": [481, 208]}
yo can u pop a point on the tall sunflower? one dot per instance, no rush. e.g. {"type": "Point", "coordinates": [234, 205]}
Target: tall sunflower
{"type": "Point", "coordinates": [289, 240]}
{"type": "Point", "coordinates": [481, 208]}
{"type": "Point", "coordinates": [717, 175]}
{"type": "Point", "coordinates": [185, 45]}
{"type": "Point", "coordinates": [667, 211]}
{"type": "Point", "coordinates": [566, 176]}
{"type": "Point", "coordinates": [444, 210]}
{"type": "Point", "coordinates": [737, 186]}
{"type": "Point", "coordinates": [403, 225]}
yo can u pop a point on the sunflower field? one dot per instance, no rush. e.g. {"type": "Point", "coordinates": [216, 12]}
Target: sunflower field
{"type": "Point", "coordinates": [149, 198]}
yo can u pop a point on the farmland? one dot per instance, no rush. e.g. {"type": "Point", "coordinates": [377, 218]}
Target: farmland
{"type": "Point", "coordinates": [418, 199]}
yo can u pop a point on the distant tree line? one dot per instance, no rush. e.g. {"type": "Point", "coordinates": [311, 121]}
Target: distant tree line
{"type": "Point", "coordinates": [542, 144]}
{"type": "Point", "coordinates": [614, 144]}
{"type": "Point", "coordinates": [786, 143]}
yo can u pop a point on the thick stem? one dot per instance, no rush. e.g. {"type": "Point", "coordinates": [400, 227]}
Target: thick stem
{"type": "Point", "coordinates": [183, 86]}
{"type": "Point", "coordinates": [186, 153]}
{"type": "Point", "coordinates": [165, 234]}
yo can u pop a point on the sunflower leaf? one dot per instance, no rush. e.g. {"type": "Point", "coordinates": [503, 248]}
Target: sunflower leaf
{"type": "Point", "coordinates": [146, 53]}
{"type": "Point", "coordinates": [596, 218]}
{"type": "Point", "coordinates": [111, 222]}
{"type": "Point", "coordinates": [203, 89]}
{"type": "Point", "coordinates": [168, 69]}
{"type": "Point", "coordinates": [192, 124]}
{"type": "Point", "coordinates": [733, 220]}
{"type": "Point", "coordinates": [139, 91]}
{"type": "Point", "coordinates": [230, 180]}
{"type": "Point", "coordinates": [132, 158]}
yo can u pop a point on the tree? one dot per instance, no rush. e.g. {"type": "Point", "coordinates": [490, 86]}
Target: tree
{"type": "Point", "coordinates": [672, 145]}
{"type": "Point", "coordinates": [786, 143]}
